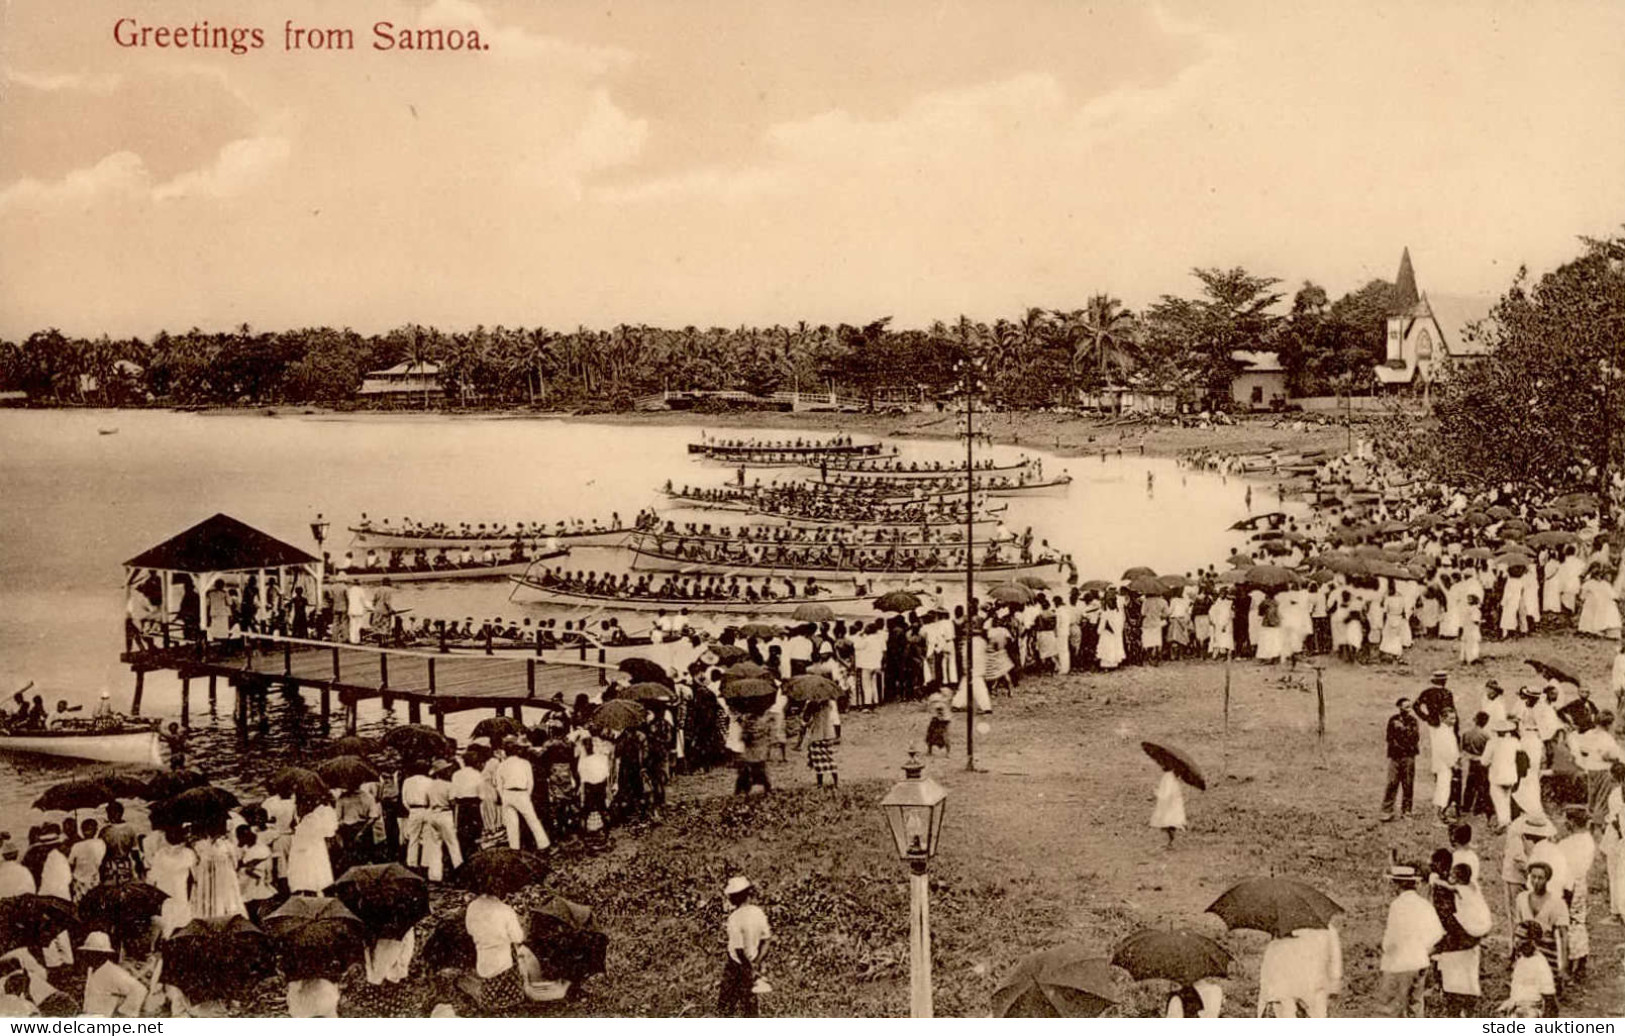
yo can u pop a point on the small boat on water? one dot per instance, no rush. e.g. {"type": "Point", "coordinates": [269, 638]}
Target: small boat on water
{"type": "Point", "coordinates": [799, 460]}
{"type": "Point", "coordinates": [134, 744]}
{"type": "Point", "coordinates": [403, 539]}
{"type": "Point", "coordinates": [107, 431]}
{"type": "Point", "coordinates": [499, 570]}
{"type": "Point", "coordinates": [997, 571]}
{"type": "Point", "coordinates": [756, 449]}
{"type": "Point", "coordinates": [885, 471]}
{"type": "Point", "coordinates": [847, 604]}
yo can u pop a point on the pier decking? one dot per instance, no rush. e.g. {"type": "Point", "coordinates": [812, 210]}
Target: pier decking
{"type": "Point", "coordinates": [446, 682]}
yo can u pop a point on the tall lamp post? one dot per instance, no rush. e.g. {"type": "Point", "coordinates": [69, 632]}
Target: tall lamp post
{"type": "Point", "coordinates": [318, 532]}
{"type": "Point", "coordinates": [972, 370]}
{"type": "Point", "coordinates": [914, 807]}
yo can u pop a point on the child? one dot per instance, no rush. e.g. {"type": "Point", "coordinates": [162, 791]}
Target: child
{"type": "Point", "coordinates": [1461, 851]}
{"type": "Point", "coordinates": [1169, 812]}
{"type": "Point", "coordinates": [254, 868]}
{"type": "Point", "coordinates": [1472, 634]}
{"type": "Point", "coordinates": [1533, 993]}
{"type": "Point", "coordinates": [936, 732]}
{"type": "Point", "coordinates": [748, 933]}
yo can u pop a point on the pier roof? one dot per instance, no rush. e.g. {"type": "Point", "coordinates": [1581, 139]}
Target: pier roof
{"type": "Point", "coordinates": [220, 544]}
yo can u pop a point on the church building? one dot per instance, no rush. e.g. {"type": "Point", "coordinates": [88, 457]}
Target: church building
{"type": "Point", "coordinates": [1426, 333]}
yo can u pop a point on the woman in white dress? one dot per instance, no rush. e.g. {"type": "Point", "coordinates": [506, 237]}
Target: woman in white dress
{"type": "Point", "coordinates": [1110, 627]}
{"type": "Point", "coordinates": [310, 867]}
{"type": "Point", "coordinates": [215, 891]}
{"type": "Point", "coordinates": [1221, 617]}
{"type": "Point", "coordinates": [1599, 611]}
{"type": "Point", "coordinates": [1267, 634]}
{"type": "Point", "coordinates": [1168, 815]}
{"type": "Point", "coordinates": [169, 867]}
{"type": "Point", "coordinates": [1472, 630]}
{"type": "Point", "coordinates": [1394, 626]}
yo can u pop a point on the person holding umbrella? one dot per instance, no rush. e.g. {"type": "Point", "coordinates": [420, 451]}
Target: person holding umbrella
{"type": "Point", "coordinates": [820, 729]}
{"type": "Point", "coordinates": [1168, 814]}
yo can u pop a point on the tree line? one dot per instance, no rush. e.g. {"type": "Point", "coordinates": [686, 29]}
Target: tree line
{"type": "Point", "coordinates": [1042, 357]}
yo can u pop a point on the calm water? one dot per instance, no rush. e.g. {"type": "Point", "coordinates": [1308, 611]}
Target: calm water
{"type": "Point", "coordinates": [76, 504]}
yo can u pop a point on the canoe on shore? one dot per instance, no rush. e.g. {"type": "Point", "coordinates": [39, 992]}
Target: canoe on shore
{"type": "Point", "coordinates": [500, 570]}
{"type": "Point", "coordinates": [135, 747]}
{"type": "Point", "coordinates": [396, 539]}
{"type": "Point", "coordinates": [851, 604]}
{"type": "Point", "coordinates": [654, 561]}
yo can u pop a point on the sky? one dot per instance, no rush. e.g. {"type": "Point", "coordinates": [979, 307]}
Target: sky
{"type": "Point", "coordinates": [764, 161]}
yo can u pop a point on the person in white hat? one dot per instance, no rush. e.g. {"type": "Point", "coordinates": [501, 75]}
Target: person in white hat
{"type": "Point", "coordinates": [1408, 939]}
{"type": "Point", "coordinates": [1501, 759]}
{"type": "Point", "coordinates": [110, 991]}
{"type": "Point", "coordinates": [748, 934]}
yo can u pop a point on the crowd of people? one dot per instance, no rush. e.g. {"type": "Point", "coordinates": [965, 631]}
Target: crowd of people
{"type": "Point", "coordinates": [838, 557]}
{"type": "Point", "coordinates": [533, 532]}
{"type": "Point", "coordinates": [681, 587]}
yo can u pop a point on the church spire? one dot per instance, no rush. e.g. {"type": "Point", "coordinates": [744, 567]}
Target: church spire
{"type": "Point", "coordinates": [1405, 293]}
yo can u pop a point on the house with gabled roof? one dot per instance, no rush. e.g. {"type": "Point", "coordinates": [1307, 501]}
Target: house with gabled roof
{"type": "Point", "coordinates": [1427, 332]}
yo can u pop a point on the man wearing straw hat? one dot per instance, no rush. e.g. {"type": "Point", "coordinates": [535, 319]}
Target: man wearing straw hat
{"type": "Point", "coordinates": [1412, 930]}
{"type": "Point", "coordinates": [110, 991]}
{"type": "Point", "coordinates": [748, 933]}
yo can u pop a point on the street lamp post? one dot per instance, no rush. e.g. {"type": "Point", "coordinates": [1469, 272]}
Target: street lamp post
{"type": "Point", "coordinates": [914, 808]}
{"type": "Point", "coordinates": [318, 532]}
{"type": "Point", "coordinates": [970, 370]}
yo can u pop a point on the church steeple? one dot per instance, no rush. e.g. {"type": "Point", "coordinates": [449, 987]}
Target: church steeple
{"type": "Point", "coordinates": [1405, 293]}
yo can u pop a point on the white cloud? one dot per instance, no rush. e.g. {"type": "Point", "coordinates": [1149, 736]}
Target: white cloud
{"type": "Point", "coordinates": [121, 173]}
{"type": "Point", "coordinates": [239, 166]}
{"type": "Point", "coordinates": [97, 83]}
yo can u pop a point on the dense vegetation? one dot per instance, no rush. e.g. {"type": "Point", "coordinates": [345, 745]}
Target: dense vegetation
{"type": "Point", "coordinates": [1042, 357]}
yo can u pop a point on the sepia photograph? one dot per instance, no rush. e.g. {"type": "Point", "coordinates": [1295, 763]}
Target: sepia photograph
{"type": "Point", "coordinates": [619, 509]}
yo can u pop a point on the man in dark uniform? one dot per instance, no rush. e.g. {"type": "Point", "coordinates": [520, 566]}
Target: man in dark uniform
{"type": "Point", "coordinates": [1402, 736]}
{"type": "Point", "coordinates": [1581, 713]}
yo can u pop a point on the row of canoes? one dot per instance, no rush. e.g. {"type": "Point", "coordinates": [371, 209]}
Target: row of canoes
{"type": "Point", "coordinates": [412, 539]}
{"type": "Point", "coordinates": [479, 570]}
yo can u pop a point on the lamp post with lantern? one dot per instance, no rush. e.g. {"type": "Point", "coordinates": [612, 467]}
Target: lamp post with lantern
{"type": "Point", "coordinates": [318, 532]}
{"type": "Point", "coordinates": [972, 371]}
{"type": "Point", "coordinates": [914, 807]}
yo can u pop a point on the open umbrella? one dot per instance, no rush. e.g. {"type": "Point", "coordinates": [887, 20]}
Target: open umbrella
{"type": "Point", "coordinates": [1233, 577]}
{"type": "Point", "coordinates": [1181, 957]}
{"type": "Point", "coordinates": [500, 872]}
{"type": "Point", "coordinates": [1146, 586]}
{"type": "Point", "coordinates": [32, 921]}
{"type": "Point", "coordinates": [388, 898]}
{"type": "Point", "coordinates": [897, 601]}
{"type": "Point", "coordinates": [748, 687]}
{"type": "Point", "coordinates": [122, 909]}
{"type": "Point", "coordinates": [728, 654]}
{"type": "Point", "coordinates": [812, 688]}
{"type": "Point", "coordinates": [1096, 585]}
{"type": "Point", "coordinates": [1478, 553]}
{"type": "Point", "coordinates": [298, 782]}
{"type": "Point", "coordinates": [813, 612]}
{"type": "Point", "coordinates": [1011, 593]}
{"type": "Point", "coordinates": [1552, 670]}
{"type": "Point", "coordinates": [204, 805]}
{"type": "Point", "coordinates": [652, 692]}
{"type": "Point", "coordinates": [218, 958]}
{"type": "Point", "coordinates": [79, 793]}
{"type": "Point", "coordinates": [745, 671]}
{"type": "Point", "coordinates": [499, 727]}
{"type": "Point", "coordinates": [1183, 766]}
{"type": "Point", "coordinates": [414, 740]}
{"type": "Point", "coordinates": [349, 772]}
{"type": "Point", "coordinates": [1551, 538]}
{"type": "Point", "coordinates": [612, 717]}
{"type": "Point", "coordinates": [1033, 582]}
{"type": "Point", "coordinates": [449, 946]}
{"type": "Point", "coordinates": [316, 937]}
{"type": "Point", "coordinates": [759, 630]}
{"type": "Point", "coordinates": [567, 941]}
{"type": "Point", "coordinates": [1065, 982]}
{"type": "Point", "coordinates": [1271, 577]}
{"type": "Point", "coordinates": [645, 670]}
{"type": "Point", "coordinates": [1240, 560]}
{"type": "Point", "coordinates": [1279, 906]}
{"type": "Point", "coordinates": [1499, 513]}
{"type": "Point", "coordinates": [365, 747]}
{"type": "Point", "coordinates": [170, 783]}
{"type": "Point", "coordinates": [1139, 570]}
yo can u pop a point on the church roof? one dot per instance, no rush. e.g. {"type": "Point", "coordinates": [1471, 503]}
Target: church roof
{"type": "Point", "coordinates": [1454, 313]}
{"type": "Point", "coordinates": [1258, 361]}
{"type": "Point", "coordinates": [220, 544]}
{"type": "Point", "coordinates": [1405, 293]}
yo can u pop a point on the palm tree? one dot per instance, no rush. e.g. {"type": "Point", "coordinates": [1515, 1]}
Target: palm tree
{"type": "Point", "coordinates": [1106, 330]}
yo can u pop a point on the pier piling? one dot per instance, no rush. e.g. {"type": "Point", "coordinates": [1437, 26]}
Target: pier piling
{"type": "Point", "coordinates": [140, 685]}
{"type": "Point", "coordinates": [186, 702]}
{"type": "Point", "coordinates": [212, 698]}
{"type": "Point", "coordinates": [327, 709]}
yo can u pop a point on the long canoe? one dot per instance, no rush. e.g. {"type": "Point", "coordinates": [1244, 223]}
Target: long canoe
{"type": "Point", "coordinates": [999, 572]}
{"type": "Point", "coordinates": [885, 474]}
{"type": "Point", "coordinates": [765, 540]}
{"type": "Point", "coordinates": [851, 604]}
{"type": "Point", "coordinates": [396, 539]}
{"type": "Point", "coordinates": [500, 570]}
{"type": "Point", "coordinates": [800, 461]}
{"type": "Point", "coordinates": [133, 747]}
{"type": "Point", "coordinates": [767, 451]}
{"type": "Point", "coordinates": [1047, 486]}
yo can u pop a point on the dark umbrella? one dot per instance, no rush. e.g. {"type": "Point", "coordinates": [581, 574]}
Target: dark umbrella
{"type": "Point", "coordinates": [1066, 982]}
{"type": "Point", "coordinates": [449, 946]}
{"type": "Point", "coordinates": [612, 717]}
{"type": "Point", "coordinates": [1240, 560]}
{"type": "Point", "coordinates": [1271, 577]}
{"type": "Point", "coordinates": [1033, 582]}
{"type": "Point", "coordinates": [897, 601]}
{"type": "Point", "coordinates": [79, 793]}
{"type": "Point", "coordinates": [1011, 593]}
{"type": "Point", "coordinates": [813, 612]}
{"type": "Point", "coordinates": [746, 671]}
{"type": "Point", "coordinates": [1552, 671]}
{"type": "Point", "coordinates": [1183, 766]}
{"type": "Point", "coordinates": [1499, 513]}
{"type": "Point", "coordinates": [727, 654]}
{"type": "Point", "coordinates": [203, 805]}
{"type": "Point", "coordinates": [216, 959]}
{"type": "Point", "coordinates": [1234, 576]}
{"type": "Point", "coordinates": [1146, 586]}
{"type": "Point", "coordinates": [1279, 906]}
{"type": "Point", "coordinates": [1096, 585]}
{"type": "Point", "coordinates": [365, 747]}
{"type": "Point", "coordinates": [348, 772]}
{"type": "Point", "coordinates": [748, 687]}
{"type": "Point", "coordinates": [316, 936]}
{"type": "Point", "coordinates": [32, 921]}
{"type": "Point", "coordinates": [645, 670]}
{"type": "Point", "coordinates": [758, 629]}
{"type": "Point", "coordinates": [500, 872]}
{"type": "Point", "coordinates": [567, 942]}
{"type": "Point", "coordinates": [1478, 553]}
{"type": "Point", "coordinates": [812, 688]}
{"type": "Point", "coordinates": [122, 909]}
{"type": "Point", "coordinates": [388, 898]}
{"type": "Point", "coordinates": [170, 783]}
{"type": "Point", "coordinates": [499, 727]}
{"type": "Point", "coordinates": [653, 692]}
{"type": "Point", "coordinates": [1139, 570]}
{"type": "Point", "coordinates": [1551, 538]}
{"type": "Point", "coordinates": [417, 741]}
{"type": "Point", "coordinates": [1181, 957]}
{"type": "Point", "coordinates": [298, 782]}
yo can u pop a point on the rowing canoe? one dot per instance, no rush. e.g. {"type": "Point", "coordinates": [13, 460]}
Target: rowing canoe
{"type": "Point", "coordinates": [845, 605]}
{"type": "Point", "coordinates": [133, 747]}
{"type": "Point", "coordinates": [657, 562]}
{"type": "Point", "coordinates": [903, 474]}
{"type": "Point", "coordinates": [401, 540]}
{"type": "Point", "coordinates": [747, 450]}
{"type": "Point", "coordinates": [501, 570]}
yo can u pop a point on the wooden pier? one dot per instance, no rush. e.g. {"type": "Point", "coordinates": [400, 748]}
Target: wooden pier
{"type": "Point", "coordinates": [444, 681]}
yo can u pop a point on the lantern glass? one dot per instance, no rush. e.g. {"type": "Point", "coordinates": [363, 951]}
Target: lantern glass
{"type": "Point", "coordinates": [914, 808]}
